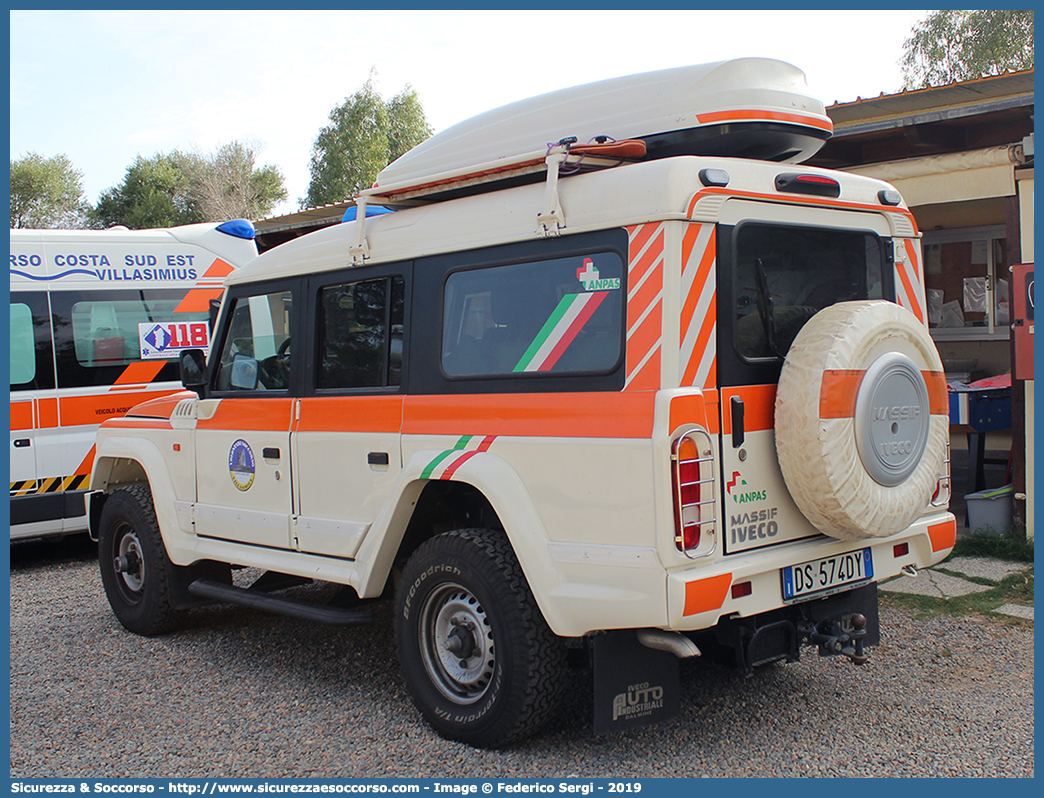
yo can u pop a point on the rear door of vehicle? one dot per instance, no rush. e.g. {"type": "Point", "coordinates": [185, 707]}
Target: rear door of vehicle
{"type": "Point", "coordinates": [777, 266]}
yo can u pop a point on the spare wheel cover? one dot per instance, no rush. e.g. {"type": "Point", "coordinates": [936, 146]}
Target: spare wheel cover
{"type": "Point", "coordinates": [862, 419]}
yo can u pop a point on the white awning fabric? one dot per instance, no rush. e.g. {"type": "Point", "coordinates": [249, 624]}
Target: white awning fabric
{"type": "Point", "coordinates": [954, 177]}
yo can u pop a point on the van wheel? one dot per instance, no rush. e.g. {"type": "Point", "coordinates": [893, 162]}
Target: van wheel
{"type": "Point", "coordinates": [134, 564]}
{"type": "Point", "coordinates": [478, 658]}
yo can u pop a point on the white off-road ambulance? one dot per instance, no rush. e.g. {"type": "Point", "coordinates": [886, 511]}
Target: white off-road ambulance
{"type": "Point", "coordinates": [617, 377]}
{"type": "Point", "coordinates": [98, 318]}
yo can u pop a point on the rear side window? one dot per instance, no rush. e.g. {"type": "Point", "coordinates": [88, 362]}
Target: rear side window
{"type": "Point", "coordinates": [361, 329]}
{"type": "Point", "coordinates": [558, 316]}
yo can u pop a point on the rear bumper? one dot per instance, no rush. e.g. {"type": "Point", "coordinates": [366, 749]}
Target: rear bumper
{"type": "Point", "coordinates": [699, 596]}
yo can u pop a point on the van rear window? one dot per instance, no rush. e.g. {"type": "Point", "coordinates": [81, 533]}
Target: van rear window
{"type": "Point", "coordinates": [559, 316]}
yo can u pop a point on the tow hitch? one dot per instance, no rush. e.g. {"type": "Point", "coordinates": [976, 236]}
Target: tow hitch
{"type": "Point", "coordinates": [832, 637]}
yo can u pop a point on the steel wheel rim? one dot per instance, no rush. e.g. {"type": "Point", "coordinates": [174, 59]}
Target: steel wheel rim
{"type": "Point", "coordinates": [456, 644]}
{"type": "Point", "coordinates": [131, 582]}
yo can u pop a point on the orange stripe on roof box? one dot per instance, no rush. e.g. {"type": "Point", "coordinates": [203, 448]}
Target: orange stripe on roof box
{"type": "Point", "coordinates": [218, 269]}
{"type": "Point", "coordinates": [705, 595]}
{"type": "Point", "coordinates": [943, 535]}
{"type": "Point", "coordinates": [572, 415]}
{"type": "Point", "coordinates": [838, 391]}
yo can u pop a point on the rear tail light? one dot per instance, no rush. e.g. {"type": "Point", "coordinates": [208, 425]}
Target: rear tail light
{"type": "Point", "coordinates": [694, 487]}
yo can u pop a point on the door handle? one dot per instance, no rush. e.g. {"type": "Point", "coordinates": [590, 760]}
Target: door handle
{"type": "Point", "coordinates": [736, 407]}
{"type": "Point", "coordinates": [270, 453]}
{"type": "Point", "coordinates": [377, 458]}
{"type": "Point", "coordinates": [21, 443]}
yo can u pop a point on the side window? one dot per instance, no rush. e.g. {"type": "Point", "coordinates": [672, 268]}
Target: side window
{"type": "Point", "coordinates": [31, 345]}
{"type": "Point", "coordinates": [105, 331]}
{"type": "Point", "coordinates": [256, 353]}
{"type": "Point", "coordinates": [23, 345]}
{"type": "Point", "coordinates": [558, 316]}
{"type": "Point", "coordinates": [360, 334]}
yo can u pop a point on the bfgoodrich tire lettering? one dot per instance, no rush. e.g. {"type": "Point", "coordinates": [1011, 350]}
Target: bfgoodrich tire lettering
{"type": "Point", "coordinates": [478, 658]}
{"type": "Point", "coordinates": [862, 461]}
{"type": "Point", "coordinates": [134, 565]}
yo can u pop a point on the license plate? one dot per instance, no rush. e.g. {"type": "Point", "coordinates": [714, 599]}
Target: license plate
{"type": "Point", "coordinates": [828, 575]}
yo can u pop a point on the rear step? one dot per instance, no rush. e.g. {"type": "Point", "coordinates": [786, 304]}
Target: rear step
{"type": "Point", "coordinates": [207, 588]}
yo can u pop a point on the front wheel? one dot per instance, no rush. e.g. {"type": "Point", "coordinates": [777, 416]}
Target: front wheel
{"type": "Point", "coordinates": [479, 660]}
{"type": "Point", "coordinates": [134, 564]}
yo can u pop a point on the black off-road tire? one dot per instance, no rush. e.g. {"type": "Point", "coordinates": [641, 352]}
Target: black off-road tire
{"type": "Point", "coordinates": [139, 594]}
{"type": "Point", "coordinates": [464, 592]}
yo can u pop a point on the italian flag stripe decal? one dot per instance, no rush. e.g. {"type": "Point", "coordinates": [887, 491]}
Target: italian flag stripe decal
{"type": "Point", "coordinates": [560, 330]}
{"type": "Point", "coordinates": [461, 454]}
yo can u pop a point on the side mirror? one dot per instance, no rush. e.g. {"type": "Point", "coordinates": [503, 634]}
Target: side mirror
{"type": "Point", "coordinates": [193, 365]}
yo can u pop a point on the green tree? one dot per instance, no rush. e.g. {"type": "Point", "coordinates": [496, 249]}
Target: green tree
{"type": "Point", "coordinates": [47, 193]}
{"type": "Point", "coordinates": [951, 45]}
{"type": "Point", "coordinates": [226, 184]}
{"type": "Point", "coordinates": [365, 134]}
{"type": "Point", "coordinates": [155, 192]}
{"type": "Point", "coordinates": [186, 188]}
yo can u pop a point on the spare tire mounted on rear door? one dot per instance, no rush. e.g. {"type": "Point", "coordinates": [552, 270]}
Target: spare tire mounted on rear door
{"type": "Point", "coordinates": [862, 419]}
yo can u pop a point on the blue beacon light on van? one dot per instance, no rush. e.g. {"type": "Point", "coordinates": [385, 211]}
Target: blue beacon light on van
{"type": "Point", "coordinates": [239, 228]}
{"type": "Point", "coordinates": [371, 210]}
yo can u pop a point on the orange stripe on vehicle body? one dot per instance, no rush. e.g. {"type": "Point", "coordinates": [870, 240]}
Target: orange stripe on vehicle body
{"type": "Point", "coordinates": [47, 413]}
{"type": "Point", "coordinates": [21, 415]}
{"type": "Point", "coordinates": [218, 268]}
{"type": "Point", "coordinates": [197, 300]}
{"type": "Point", "coordinates": [694, 358]}
{"type": "Point", "coordinates": [693, 410]}
{"type": "Point", "coordinates": [644, 306]}
{"type": "Point", "coordinates": [249, 414]}
{"type": "Point", "coordinates": [134, 422]}
{"type": "Point", "coordinates": [943, 535]}
{"type": "Point", "coordinates": [759, 407]}
{"type": "Point", "coordinates": [79, 410]}
{"type": "Point", "coordinates": [351, 414]}
{"type": "Point", "coordinates": [570, 415]}
{"type": "Point", "coordinates": [908, 288]}
{"type": "Point", "coordinates": [798, 199]}
{"type": "Point", "coordinates": [140, 372]}
{"type": "Point", "coordinates": [705, 595]}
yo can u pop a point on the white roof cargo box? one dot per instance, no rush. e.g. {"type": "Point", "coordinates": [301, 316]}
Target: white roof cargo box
{"type": "Point", "coordinates": [747, 108]}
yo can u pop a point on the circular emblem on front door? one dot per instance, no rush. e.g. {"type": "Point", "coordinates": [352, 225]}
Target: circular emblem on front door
{"type": "Point", "coordinates": [241, 465]}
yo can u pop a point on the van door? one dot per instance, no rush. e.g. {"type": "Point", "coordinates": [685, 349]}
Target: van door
{"type": "Point", "coordinates": [243, 485]}
{"type": "Point", "coordinates": [346, 441]}
{"type": "Point", "coordinates": [777, 267]}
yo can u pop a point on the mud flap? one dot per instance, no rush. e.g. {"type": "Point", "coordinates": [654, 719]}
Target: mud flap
{"type": "Point", "coordinates": [634, 685]}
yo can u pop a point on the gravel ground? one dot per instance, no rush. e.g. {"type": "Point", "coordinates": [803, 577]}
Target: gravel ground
{"type": "Point", "coordinates": [241, 694]}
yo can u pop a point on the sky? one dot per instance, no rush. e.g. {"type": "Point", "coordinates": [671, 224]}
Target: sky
{"type": "Point", "coordinates": [103, 87]}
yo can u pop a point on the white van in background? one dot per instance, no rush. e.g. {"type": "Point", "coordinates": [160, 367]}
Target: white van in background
{"type": "Point", "coordinates": [98, 318]}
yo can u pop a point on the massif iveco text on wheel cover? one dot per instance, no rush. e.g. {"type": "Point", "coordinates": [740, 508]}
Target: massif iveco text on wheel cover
{"type": "Point", "coordinates": [537, 401]}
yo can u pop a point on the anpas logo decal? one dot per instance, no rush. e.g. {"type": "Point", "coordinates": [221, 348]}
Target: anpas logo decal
{"type": "Point", "coordinates": [588, 275]}
{"type": "Point", "coordinates": [241, 465]}
{"type": "Point", "coordinates": [734, 487]}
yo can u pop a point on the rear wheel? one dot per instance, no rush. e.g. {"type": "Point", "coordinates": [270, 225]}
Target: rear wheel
{"type": "Point", "coordinates": [134, 564]}
{"type": "Point", "coordinates": [479, 660]}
